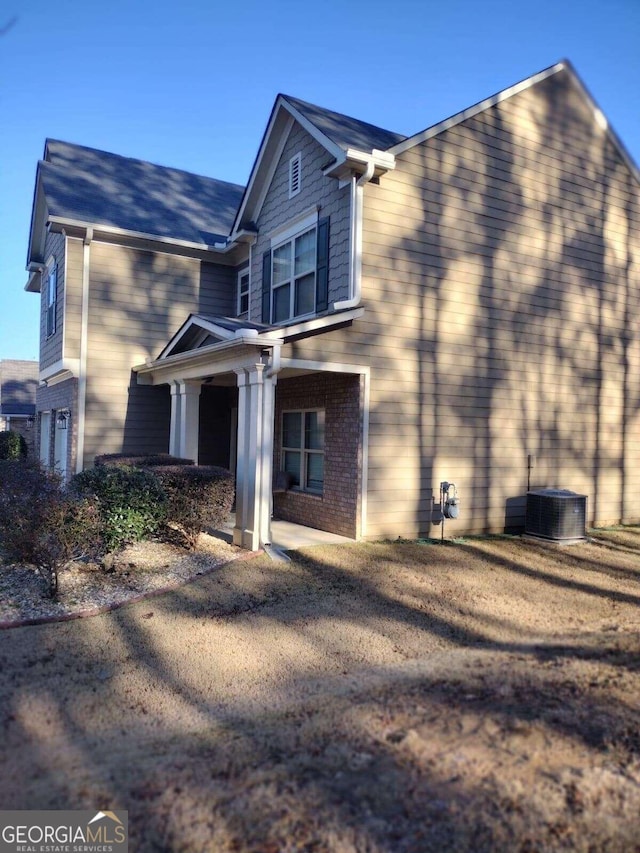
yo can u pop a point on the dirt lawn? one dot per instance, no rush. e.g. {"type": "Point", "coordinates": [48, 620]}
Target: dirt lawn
{"type": "Point", "coordinates": [477, 696]}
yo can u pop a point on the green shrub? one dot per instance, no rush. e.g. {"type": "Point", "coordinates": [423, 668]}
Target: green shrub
{"type": "Point", "coordinates": [131, 501]}
{"type": "Point", "coordinates": [12, 445]}
{"type": "Point", "coordinates": [148, 460]}
{"type": "Point", "coordinates": [197, 497]}
{"type": "Point", "coordinates": [41, 524]}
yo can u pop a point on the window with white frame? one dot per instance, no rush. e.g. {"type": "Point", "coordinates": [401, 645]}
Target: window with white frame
{"type": "Point", "coordinates": [295, 270]}
{"type": "Point", "coordinates": [52, 298]}
{"type": "Point", "coordinates": [243, 292]}
{"type": "Point", "coordinates": [295, 174]}
{"type": "Point", "coordinates": [293, 277]}
{"type": "Point", "coordinates": [303, 449]}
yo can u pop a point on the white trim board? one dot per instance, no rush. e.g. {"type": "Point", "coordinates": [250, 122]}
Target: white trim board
{"type": "Point", "coordinates": [505, 94]}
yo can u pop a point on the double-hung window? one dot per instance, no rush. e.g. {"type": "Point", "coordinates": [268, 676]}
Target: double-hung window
{"type": "Point", "coordinates": [52, 298]}
{"type": "Point", "coordinates": [295, 272]}
{"type": "Point", "coordinates": [243, 292]}
{"type": "Point", "coordinates": [303, 449]}
{"type": "Point", "coordinates": [293, 277]}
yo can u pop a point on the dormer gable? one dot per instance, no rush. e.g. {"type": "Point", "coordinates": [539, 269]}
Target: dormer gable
{"type": "Point", "coordinates": [350, 144]}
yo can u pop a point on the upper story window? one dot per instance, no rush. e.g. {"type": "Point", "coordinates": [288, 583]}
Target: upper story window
{"type": "Point", "coordinates": [295, 176]}
{"type": "Point", "coordinates": [293, 277]}
{"type": "Point", "coordinates": [243, 292]}
{"type": "Point", "coordinates": [52, 298]}
{"type": "Point", "coordinates": [295, 272]}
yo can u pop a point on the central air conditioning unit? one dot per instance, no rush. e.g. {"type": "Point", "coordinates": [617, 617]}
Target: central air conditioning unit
{"type": "Point", "coordinates": [556, 514]}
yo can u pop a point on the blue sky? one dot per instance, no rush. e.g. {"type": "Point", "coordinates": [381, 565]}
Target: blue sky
{"type": "Point", "coordinates": [191, 85]}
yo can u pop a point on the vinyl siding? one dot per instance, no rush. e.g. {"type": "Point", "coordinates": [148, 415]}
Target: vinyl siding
{"type": "Point", "coordinates": [501, 281]}
{"type": "Point", "coordinates": [73, 298]}
{"type": "Point", "coordinates": [137, 301]}
{"type": "Point", "coordinates": [278, 209]}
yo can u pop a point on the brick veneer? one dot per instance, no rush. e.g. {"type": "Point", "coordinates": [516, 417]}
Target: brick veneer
{"type": "Point", "coordinates": [337, 510]}
{"type": "Point", "coordinates": [62, 395]}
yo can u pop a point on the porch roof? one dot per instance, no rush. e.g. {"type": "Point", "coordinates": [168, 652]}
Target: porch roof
{"type": "Point", "coordinates": [207, 346]}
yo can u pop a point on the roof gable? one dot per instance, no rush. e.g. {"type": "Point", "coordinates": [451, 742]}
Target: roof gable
{"type": "Point", "coordinates": [344, 131]}
{"type": "Point", "coordinates": [487, 103]}
{"type": "Point", "coordinates": [339, 134]}
{"type": "Point", "coordinates": [200, 330]}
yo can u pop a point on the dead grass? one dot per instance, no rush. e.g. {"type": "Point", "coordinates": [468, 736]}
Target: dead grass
{"type": "Point", "coordinates": [481, 696]}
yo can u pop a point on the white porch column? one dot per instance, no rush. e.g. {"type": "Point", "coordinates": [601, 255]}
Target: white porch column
{"type": "Point", "coordinates": [189, 419]}
{"type": "Point", "coordinates": [185, 412]}
{"type": "Point", "coordinates": [255, 452]}
{"type": "Point", "coordinates": [174, 434]}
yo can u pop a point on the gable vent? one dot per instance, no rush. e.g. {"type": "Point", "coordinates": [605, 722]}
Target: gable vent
{"type": "Point", "coordinates": [294, 175]}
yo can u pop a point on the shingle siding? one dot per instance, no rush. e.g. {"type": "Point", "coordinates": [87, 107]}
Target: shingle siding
{"type": "Point", "coordinates": [278, 209]}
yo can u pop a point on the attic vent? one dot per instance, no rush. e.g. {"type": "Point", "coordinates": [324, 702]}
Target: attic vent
{"type": "Point", "coordinates": [294, 175]}
{"type": "Point", "coordinates": [556, 514]}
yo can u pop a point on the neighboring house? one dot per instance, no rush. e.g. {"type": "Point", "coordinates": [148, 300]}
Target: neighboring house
{"type": "Point", "coordinates": [18, 383]}
{"type": "Point", "coordinates": [372, 315]}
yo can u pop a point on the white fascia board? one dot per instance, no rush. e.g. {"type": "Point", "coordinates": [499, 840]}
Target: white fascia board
{"type": "Point", "coordinates": [265, 180]}
{"type": "Point", "coordinates": [320, 324]}
{"type": "Point", "coordinates": [250, 338]}
{"type": "Point", "coordinates": [312, 130]}
{"type": "Point", "coordinates": [38, 217]}
{"type": "Point", "coordinates": [470, 112]}
{"type": "Point", "coordinates": [195, 320]}
{"type": "Point", "coordinates": [603, 122]}
{"type": "Point", "coordinates": [31, 286]}
{"type": "Point", "coordinates": [138, 235]}
{"type": "Point", "coordinates": [352, 158]}
{"type": "Point", "coordinates": [64, 368]}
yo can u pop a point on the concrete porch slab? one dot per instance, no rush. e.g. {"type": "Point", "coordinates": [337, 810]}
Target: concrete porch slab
{"type": "Point", "coordinates": [286, 536]}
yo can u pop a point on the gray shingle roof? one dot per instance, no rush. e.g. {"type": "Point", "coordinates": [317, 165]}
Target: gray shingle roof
{"type": "Point", "coordinates": [345, 131]}
{"type": "Point", "coordinates": [18, 383]}
{"type": "Point", "coordinates": [106, 189]}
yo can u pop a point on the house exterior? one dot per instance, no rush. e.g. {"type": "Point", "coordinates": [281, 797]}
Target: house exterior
{"type": "Point", "coordinates": [372, 315]}
{"type": "Point", "coordinates": [18, 383]}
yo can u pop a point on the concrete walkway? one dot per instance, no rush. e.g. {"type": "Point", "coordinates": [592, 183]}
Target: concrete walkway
{"type": "Point", "coordinates": [286, 536]}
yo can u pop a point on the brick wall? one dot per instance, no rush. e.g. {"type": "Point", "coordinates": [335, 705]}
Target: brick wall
{"type": "Point", "coordinates": [52, 399]}
{"type": "Point", "coordinates": [337, 509]}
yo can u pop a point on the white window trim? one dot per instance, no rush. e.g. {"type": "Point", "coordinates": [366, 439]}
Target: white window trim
{"type": "Point", "coordinates": [246, 271]}
{"type": "Point", "coordinates": [291, 238]}
{"type": "Point", "coordinates": [302, 450]}
{"type": "Point", "coordinates": [295, 169]}
{"type": "Point", "coordinates": [306, 220]}
{"type": "Point", "coordinates": [51, 265]}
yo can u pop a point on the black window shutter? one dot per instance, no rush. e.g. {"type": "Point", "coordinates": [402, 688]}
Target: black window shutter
{"type": "Point", "coordinates": [266, 287]}
{"type": "Point", "coordinates": [322, 266]}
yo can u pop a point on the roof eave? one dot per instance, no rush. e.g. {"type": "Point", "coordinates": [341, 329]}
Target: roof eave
{"type": "Point", "coordinates": [58, 223]}
{"type": "Point", "coordinates": [354, 160]}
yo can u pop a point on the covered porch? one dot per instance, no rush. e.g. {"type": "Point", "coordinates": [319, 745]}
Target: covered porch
{"type": "Point", "coordinates": [225, 409]}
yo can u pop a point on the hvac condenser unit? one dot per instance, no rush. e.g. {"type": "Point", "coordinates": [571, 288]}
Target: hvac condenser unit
{"type": "Point", "coordinates": [556, 514]}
